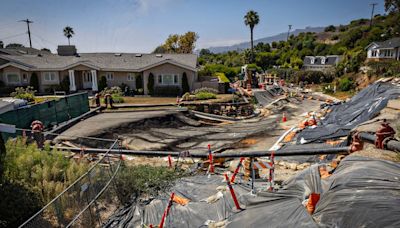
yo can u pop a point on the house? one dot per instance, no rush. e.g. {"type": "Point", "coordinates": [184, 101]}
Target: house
{"type": "Point", "coordinates": [321, 63]}
{"type": "Point", "coordinates": [386, 50]}
{"type": "Point", "coordinates": [85, 69]}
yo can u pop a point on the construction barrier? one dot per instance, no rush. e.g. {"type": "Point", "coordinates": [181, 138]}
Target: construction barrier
{"type": "Point", "coordinates": [50, 113]}
{"type": "Point", "coordinates": [166, 211]}
{"type": "Point", "coordinates": [232, 192]}
{"type": "Point", "coordinates": [210, 159]}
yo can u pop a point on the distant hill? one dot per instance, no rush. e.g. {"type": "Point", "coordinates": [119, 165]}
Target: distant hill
{"type": "Point", "coordinates": [279, 37]}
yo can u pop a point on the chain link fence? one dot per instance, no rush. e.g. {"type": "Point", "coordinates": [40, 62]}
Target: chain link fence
{"type": "Point", "coordinates": [86, 202]}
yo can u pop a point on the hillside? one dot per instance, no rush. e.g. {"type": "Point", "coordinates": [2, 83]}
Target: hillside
{"type": "Point", "coordinates": [270, 39]}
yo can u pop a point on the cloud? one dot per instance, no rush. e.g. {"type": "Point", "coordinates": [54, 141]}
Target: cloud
{"type": "Point", "coordinates": [147, 6]}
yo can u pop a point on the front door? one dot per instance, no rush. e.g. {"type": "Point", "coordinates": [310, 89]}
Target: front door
{"type": "Point", "coordinates": [87, 79]}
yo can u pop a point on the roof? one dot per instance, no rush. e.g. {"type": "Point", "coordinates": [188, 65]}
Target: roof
{"type": "Point", "coordinates": [104, 61]}
{"type": "Point", "coordinates": [391, 43]}
{"type": "Point", "coordinates": [22, 51]}
{"type": "Point", "coordinates": [330, 60]}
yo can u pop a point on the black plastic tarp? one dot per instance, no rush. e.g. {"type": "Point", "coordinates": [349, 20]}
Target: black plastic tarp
{"type": "Point", "coordinates": [266, 97]}
{"type": "Point", "coordinates": [362, 192]}
{"type": "Point", "coordinates": [345, 116]}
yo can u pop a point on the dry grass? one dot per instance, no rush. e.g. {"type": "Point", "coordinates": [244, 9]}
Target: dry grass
{"type": "Point", "coordinates": [149, 100]}
{"type": "Point", "coordinates": [170, 100]}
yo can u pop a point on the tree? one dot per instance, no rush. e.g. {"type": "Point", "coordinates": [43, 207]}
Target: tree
{"type": "Point", "coordinates": [34, 82]}
{"type": "Point", "coordinates": [102, 83]}
{"type": "Point", "coordinates": [187, 42]}
{"type": "Point", "coordinates": [179, 43]}
{"type": "Point", "coordinates": [251, 19]}
{"type": "Point", "coordinates": [14, 45]}
{"type": "Point", "coordinates": [150, 84]}
{"type": "Point", "coordinates": [392, 6]}
{"type": "Point", "coordinates": [204, 52]}
{"type": "Point", "coordinates": [68, 32]}
{"type": "Point", "coordinates": [185, 83]}
{"type": "Point", "coordinates": [330, 28]}
{"type": "Point", "coordinates": [171, 44]}
{"type": "Point", "coordinates": [159, 50]}
{"type": "Point", "coordinates": [1, 44]}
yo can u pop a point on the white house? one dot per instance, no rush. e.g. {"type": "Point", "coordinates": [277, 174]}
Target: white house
{"type": "Point", "coordinates": [386, 50]}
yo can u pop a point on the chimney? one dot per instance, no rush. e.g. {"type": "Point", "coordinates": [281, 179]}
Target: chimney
{"type": "Point", "coordinates": [66, 50]}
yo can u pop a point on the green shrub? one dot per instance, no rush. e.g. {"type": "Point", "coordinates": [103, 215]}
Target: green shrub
{"type": "Point", "coordinates": [34, 82]}
{"type": "Point", "coordinates": [27, 94]}
{"type": "Point", "coordinates": [115, 90]}
{"type": "Point", "coordinates": [64, 85]}
{"type": "Point", "coordinates": [222, 77]}
{"type": "Point", "coordinates": [205, 96]}
{"type": "Point", "coordinates": [32, 177]}
{"type": "Point", "coordinates": [345, 84]}
{"type": "Point", "coordinates": [167, 91]}
{"type": "Point", "coordinates": [102, 83]}
{"type": "Point", "coordinates": [185, 83]}
{"type": "Point", "coordinates": [144, 179]}
{"type": "Point", "coordinates": [117, 98]}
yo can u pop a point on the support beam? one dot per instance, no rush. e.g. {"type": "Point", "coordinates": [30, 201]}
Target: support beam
{"type": "Point", "coordinates": [94, 80]}
{"type": "Point", "coordinates": [72, 86]}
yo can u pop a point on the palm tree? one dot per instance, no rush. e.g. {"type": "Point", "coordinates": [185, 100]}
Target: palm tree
{"type": "Point", "coordinates": [251, 19]}
{"type": "Point", "coordinates": [68, 32]}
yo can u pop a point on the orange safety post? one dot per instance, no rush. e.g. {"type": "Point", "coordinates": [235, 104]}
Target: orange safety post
{"type": "Point", "coordinates": [232, 192]}
{"type": "Point", "coordinates": [210, 157]}
{"type": "Point", "coordinates": [167, 210]}
{"type": "Point", "coordinates": [169, 161]}
{"type": "Point", "coordinates": [237, 170]}
{"type": "Point", "coordinates": [271, 172]}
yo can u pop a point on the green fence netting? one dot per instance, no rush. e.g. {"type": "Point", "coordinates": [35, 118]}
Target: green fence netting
{"type": "Point", "coordinates": [51, 112]}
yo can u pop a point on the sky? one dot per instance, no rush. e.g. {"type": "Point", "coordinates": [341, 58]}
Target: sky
{"type": "Point", "coordinates": [142, 25]}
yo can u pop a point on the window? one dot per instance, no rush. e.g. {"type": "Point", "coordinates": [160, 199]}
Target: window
{"type": "Point", "coordinates": [110, 76]}
{"type": "Point", "coordinates": [168, 79]}
{"type": "Point", "coordinates": [50, 76]}
{"type": "Point", "coordinates": [24, 77]}
{"type": "Point", "coordinates": [374, 53]}
{"type": "Point", "coordinates": [13, 78]}
{"type": "Point", "coordinates": [131, 77]}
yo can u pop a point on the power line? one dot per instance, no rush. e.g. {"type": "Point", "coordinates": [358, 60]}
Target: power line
{"type": "Point", "coordinates": [372, 13]}
{"type": "Point", "coordinates": [12, 36]}
{"type": "Point", "coordinates": [27, 21]}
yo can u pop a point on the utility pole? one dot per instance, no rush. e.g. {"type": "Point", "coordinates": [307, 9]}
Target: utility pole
{"type": "Point", "coordinates": [27, 21]}
{"type": "Point", "coordinates": [288, 33]}
{"type": "Point", "coordinates": [372, 13]}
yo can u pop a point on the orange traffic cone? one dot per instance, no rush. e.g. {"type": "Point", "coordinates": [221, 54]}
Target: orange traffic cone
{"type": "Point", "coordinates": [284, 119]}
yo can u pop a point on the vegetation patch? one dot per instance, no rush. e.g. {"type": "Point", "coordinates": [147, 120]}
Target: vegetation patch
{"type": "Point", "coordinates": [32, 177]}
{"type": "Point", "coordinates": [144, 179]}
{"type": "Point", "coordinates": [27, 93]}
